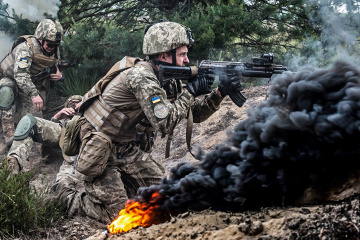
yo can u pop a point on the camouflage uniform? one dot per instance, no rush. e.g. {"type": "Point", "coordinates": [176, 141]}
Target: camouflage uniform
{"type": "Point", "coordinates": [25, 60]}
{"type": "Point", "coordinates": [47, 133]}
{"type": "Point", "coordinates": [128, 105]}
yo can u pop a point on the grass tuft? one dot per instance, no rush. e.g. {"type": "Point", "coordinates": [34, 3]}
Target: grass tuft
{"type": "Point", "coordinates": [23, 210]}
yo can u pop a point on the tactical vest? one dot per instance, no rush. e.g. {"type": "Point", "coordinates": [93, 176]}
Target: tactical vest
{"type": "Point", "coordinates": [39, 60]}
{"type": "Point", "coordinates": [119, 124]}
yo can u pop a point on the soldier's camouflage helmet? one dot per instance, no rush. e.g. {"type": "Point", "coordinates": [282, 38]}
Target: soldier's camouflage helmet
{"type": "Point", "coordinates": [72, 101]}
{"type": "Point", "coordinates": [49, 30]}
{"type": "Point", "coordinates": [165, 36]}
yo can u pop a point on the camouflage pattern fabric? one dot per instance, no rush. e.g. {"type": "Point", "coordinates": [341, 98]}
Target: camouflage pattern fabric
{"type": "Point", "coordinates": [22, 63]}
{"type": "Point", "coordinates": [67, 170]}
{"type": "Point", "coordinates": [24, 106]}
{"type": "Point", "coordinates": [72, 101]}
{"type": "Point", "coordinates": [163, 37]}
{"type": "Point", "coordinates": [102, 197]}
{"type": "Point", "coordinates": [26, 89]}
{"type": "Point", "coordinates": [47, 29]}
{"type": "Point", "coordinates": [48, 131]}
{"type": "Point", "coordinates": [150, 95]}
{"type": "Point", "coordinates": [7, 125]}
{"type": "Point", "coordinates": [106, 194]}
{"type": "Point", "coordinates": [6, 116]}
{"type": "Point", "coordinates": [161, 113]}
{"type": "Point", "coordinates": [129, 167]}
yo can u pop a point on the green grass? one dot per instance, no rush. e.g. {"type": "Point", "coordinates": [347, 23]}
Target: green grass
{"type": "Point", "coordinates": [23, 210]}
{"type": "Point", "coordinates": [75, 83]}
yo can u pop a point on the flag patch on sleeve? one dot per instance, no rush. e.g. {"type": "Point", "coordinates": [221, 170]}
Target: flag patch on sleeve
{"type": "Point", "coordinates": [23, 63]}
{"type": "Point", "coordinates": [159, 108]}
{"type": "Point", "coordinates": [155, 99]}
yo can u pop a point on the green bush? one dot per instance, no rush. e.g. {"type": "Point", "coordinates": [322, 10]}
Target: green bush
{"type": "Point", "coordinates": [23, 210]}
{"type": "Point", "coordinates": [76, 83]}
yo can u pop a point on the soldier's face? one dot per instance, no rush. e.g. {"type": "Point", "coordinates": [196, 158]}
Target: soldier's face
{"type": "Point", "coordinates": [49, 46]}
{"type": "Point", "coordinates": [181, 56]}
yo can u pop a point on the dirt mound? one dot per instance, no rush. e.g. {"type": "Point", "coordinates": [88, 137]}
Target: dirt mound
{"type": "Point", "coordinates": [334, 221]}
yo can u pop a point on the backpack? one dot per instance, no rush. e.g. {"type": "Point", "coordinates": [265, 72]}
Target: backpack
{"type": "Point", "coordinates": [70, 136]}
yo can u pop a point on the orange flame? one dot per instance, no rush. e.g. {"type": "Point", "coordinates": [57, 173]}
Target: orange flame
{"type": "Point", "coordinates": [136, 214]}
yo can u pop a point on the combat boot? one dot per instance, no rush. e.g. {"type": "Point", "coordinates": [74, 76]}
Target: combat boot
{"type": "Point", "coordinates": [14, 165]}
{"type": "Point", "coordinates": [8, 130]}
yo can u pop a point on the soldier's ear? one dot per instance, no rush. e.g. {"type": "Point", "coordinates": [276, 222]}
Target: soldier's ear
{"type": "Point", "coordinates": [162, 56]}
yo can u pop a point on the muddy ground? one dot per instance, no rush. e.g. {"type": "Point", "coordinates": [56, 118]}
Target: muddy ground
{"type": "Point", "coordinates": [336, 218]}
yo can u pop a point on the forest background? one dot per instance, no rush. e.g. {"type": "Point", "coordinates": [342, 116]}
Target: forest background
{"type": "Point", "coordinates": [100, 33]}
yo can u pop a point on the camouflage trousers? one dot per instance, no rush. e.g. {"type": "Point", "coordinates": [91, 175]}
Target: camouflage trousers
{"type": "Point", "coordinates": [47, 131]}
{"type": "Point", "coordinates": [104, 196]}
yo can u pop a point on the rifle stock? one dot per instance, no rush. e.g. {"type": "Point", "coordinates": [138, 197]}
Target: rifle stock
{"type": "Point", "coordinates": [262, 67]}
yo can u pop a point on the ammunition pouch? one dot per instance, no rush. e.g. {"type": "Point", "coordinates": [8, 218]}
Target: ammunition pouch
{"type": "Point", "coordinates": [145, 140]}
{"type": "Point", "coordinates": [70, 136]}
{"type": "Point", "coordinates": [110, 121]}
{"type": "Point", "coordinates": [145, 135]}
{"type": "Point", "coordinates": [94, 152]}
{"type": "Point", "coordinates": [122, 149]}
{"type": "Point", "coordinates": [173, 88]}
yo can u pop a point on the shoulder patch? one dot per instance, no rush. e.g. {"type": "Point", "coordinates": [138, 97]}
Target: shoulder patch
{"type": "Point", "coordinates": [155, 99]}
{"type": "Point", "coordinates": [160, 109]}
{"type": "Point", "coordinates": [23, 62]}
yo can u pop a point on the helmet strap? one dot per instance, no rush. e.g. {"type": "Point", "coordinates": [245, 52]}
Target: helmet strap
{"type": "Point", "coordinates": [158, 62]}
{"type": "Point", "coordinates": [173, 53]}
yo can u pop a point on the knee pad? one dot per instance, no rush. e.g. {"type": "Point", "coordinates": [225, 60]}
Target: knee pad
{"type": "Point", "coordinates": [24, 127]}
{"type": "Point", "coordinates": [7, 97]}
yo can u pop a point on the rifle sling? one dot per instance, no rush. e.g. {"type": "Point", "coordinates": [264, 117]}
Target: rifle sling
{"type": "Point", "coordinates": [188, 135]}
{"type": "Point", "coordinates": [168, 143]}
{"type": "Point", "coordinates": [189, 127]}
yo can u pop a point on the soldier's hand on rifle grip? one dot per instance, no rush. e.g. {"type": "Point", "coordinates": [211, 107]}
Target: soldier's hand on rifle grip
{"type": "Point", "coordinates": [201, 85]}
{"type": "Point", "coordinates": [227, 85]}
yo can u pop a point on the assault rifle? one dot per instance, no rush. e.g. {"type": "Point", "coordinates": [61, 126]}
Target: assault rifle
{"type": "Point", "coordinates": [262, 67]}
{"type": "Point", "coordinates": [51, 70]}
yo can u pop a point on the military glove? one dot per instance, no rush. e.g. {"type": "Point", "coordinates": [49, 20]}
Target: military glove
{"type": "Point", "coordinates": [226, 85]}
{"type": "Point", "coordinates": [201, 85]}
{"type": "Point", "coordinates": [232, 87]}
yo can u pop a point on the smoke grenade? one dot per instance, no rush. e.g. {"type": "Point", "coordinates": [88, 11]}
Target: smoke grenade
{"type": "Point", "coordinates": [305, 135]}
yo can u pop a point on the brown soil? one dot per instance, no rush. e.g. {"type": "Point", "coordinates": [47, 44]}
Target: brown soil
{"type": "Point", "coordinates": [335, 219]}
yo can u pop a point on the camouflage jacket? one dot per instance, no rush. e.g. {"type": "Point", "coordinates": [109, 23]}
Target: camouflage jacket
{"type": "Point", "coordinates": [137, 100]}
{"type": "Point", "coordinates": [24, 61]}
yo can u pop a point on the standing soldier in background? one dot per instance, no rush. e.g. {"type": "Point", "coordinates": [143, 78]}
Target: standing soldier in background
{"type": "Point", "coordinates": [21, 92]}
{"type": "Point", "coordinates": [123, 112]}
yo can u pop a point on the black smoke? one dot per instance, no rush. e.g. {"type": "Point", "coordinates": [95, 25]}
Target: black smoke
{"type": "Point", "coordinates": [305, 135]}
